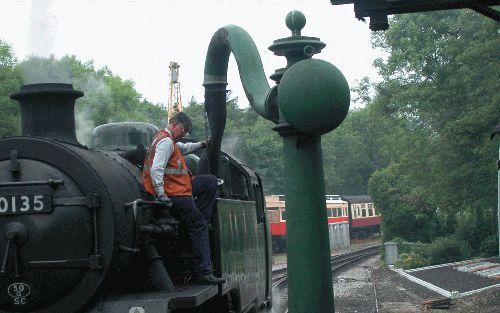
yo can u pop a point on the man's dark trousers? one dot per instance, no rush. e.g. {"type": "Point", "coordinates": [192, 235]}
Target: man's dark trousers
{"type": "Point", "coordinates": [196, 216]}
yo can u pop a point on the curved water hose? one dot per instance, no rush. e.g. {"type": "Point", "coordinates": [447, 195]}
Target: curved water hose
{"type": "Point", "coordinates": [229, 39]}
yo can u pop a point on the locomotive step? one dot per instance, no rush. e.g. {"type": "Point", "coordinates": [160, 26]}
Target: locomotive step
{"type": "Point", "coordinates": [185, 297]}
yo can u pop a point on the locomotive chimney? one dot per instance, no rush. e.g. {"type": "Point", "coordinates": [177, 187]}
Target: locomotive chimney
{"type": "Point", "coordinates": [48, 110]}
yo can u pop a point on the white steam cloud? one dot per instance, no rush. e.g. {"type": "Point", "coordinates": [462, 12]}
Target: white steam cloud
{"type": "Point", "coordinates": [49, 70]}
{"type": "Point", "coordinates": [232, 145]}
{"type": "Point", "coordinates": [42, 24]}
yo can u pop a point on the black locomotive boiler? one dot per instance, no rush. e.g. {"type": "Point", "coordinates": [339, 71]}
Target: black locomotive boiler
{"type": "Point", "coordinates": [78, 234]}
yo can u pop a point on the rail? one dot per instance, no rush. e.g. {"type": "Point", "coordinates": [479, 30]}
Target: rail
{"type": "Point", "coordinates": [339, 261]}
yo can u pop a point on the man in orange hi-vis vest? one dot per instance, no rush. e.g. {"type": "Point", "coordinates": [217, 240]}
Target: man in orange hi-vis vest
{"type": "Point", "coordinates": [166, 176]}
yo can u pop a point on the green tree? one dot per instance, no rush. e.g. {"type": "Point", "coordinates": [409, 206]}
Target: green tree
{"type": "Point", "coordinates": [436, 105]}
{"type": "Point", "coordinates": [10, 80]}
{"type": "Point", "coordinates": [108, 98]}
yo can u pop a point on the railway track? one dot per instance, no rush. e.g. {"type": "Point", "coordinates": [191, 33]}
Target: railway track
{"type": "Point", "coordinates": [339, 261]}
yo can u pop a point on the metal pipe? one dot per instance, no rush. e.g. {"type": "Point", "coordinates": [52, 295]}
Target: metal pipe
{"type": "Point", "coordinates": [310, 286]}
{"type": "Point", "coordinates": [232, 38]}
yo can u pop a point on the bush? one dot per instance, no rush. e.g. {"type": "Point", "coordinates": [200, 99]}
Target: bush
{"type": "Point", "coordinates": [448, 249]}
{"type": "Point", "coordinates": [411, 260]}
{"type": "Point", "coordinates": [489, 246]}
{"type": "Point", "coordinates": [475, 226]}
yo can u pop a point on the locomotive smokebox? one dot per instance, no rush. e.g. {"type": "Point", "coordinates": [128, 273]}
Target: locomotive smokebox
{"type": "Point", "coordinates": [48, 110]}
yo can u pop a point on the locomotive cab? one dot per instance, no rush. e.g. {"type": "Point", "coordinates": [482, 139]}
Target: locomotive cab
{"type": "Point", "coordinates": [239, 215]}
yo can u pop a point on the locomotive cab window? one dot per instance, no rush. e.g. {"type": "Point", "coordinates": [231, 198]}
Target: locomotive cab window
{"type": "Point", "coordinates": [236, 184]}
{"type": "Point", "coordinates": [224, 173]}
{"type": "Point", "coordinates": [239, 184]}
{"type": "Point", "coordinates": [259, 199]}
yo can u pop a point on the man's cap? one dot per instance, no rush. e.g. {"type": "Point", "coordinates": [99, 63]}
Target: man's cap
{"type": "Point", "coordinates": [184, 119]}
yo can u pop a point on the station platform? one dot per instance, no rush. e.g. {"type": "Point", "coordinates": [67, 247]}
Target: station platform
{"type": "Point", "coordinates": [458, 279]}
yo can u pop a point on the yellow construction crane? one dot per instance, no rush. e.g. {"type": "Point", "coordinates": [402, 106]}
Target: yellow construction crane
{"type": "Point", "coordinates": [175, 99]}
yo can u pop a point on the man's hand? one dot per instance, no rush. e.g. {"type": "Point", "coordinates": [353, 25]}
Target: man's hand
{"type": "Point", "coordinates": [206, 143]}
{"type": "Point", "coordinates": [164, 199]}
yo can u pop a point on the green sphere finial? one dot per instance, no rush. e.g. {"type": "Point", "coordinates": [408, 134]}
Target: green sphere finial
{"type": "Point", "coordinates": [314, 96]}
{"type": "Point", "coordinates": [295, 21]}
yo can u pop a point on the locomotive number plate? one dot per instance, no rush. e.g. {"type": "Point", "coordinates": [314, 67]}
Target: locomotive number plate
{"type": "Point", "coordinates": [25, 204]}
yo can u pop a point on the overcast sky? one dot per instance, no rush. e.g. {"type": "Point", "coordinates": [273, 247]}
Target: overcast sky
{"type": "Point", "coordinates": [137, 39]}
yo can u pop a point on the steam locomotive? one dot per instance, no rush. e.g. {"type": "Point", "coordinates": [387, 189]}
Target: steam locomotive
{"type": "Point", "coordinates": [78, 232]}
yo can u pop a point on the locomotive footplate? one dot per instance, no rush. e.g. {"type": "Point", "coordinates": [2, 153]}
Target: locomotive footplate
{"type": "Point", "coordinates": [185, 297]}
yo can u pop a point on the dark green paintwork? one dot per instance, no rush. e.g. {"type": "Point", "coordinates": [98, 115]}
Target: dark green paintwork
{"type": "Point", "coordinates": [313, 96]}
{"type": "Point", "coordinates": [235, 39]}
{"type": "Point", "coordinates": [242, 249]}
{"type": "Point", "coordinates": [310, 286]}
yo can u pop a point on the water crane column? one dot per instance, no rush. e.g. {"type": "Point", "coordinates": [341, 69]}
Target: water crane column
{"type": "Point", "coordinates": [311, 98]}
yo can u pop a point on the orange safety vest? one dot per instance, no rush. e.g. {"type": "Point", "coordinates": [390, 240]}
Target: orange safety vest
{"type": "Point", "coordinates": [177, 178]}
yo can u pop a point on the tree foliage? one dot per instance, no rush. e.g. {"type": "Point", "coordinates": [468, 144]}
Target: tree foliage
{"type": "Point", "coordinates": [108, 98]}
{"type": "Point", "coordinates": [10, 80]}
{"type": "Point", "coordinates": [440, 94]}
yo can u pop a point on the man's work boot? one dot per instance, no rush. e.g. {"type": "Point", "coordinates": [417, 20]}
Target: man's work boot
{"type": "Point", "coordinates": [209, 279]}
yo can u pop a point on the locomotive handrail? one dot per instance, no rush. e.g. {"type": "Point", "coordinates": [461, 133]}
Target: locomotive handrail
{"type": "Point", "coordinates": [50, 182]}
{"type": "Point", "coordinates": [139, 202]}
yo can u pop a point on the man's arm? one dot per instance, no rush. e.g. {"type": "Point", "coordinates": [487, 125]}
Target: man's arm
{"type": "Point", "coordinates": [164, 150]}
{"type": "Point", "coordinates": [190, 147]}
